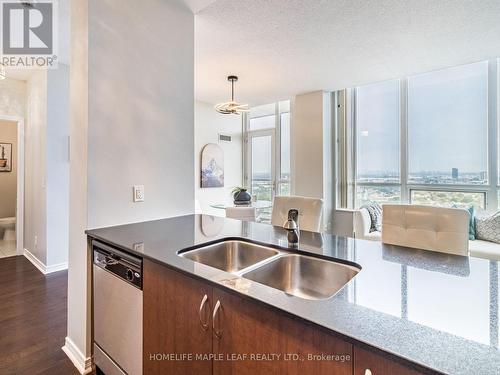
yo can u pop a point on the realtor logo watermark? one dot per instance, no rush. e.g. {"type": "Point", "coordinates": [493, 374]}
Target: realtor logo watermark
{"type": "Point", "coordinates": [29, 34]}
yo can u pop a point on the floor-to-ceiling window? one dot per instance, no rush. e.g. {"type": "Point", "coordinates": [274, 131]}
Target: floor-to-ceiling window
{"type": "Point", "coordinates": [377, 143]}
{"type": "Point", "coordinates": [427, 139]}
{"type": "Point", "coordinates": [448, 136]}
{"type": "Point", "coordinates": [267, 154]}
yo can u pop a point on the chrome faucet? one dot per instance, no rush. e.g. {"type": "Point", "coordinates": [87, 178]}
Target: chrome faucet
{"type": "Point", "coordinates": [292, 227]}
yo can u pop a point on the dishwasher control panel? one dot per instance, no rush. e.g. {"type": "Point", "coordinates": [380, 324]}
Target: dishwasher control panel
{"type": "Point", "coordinates": [125, 266]}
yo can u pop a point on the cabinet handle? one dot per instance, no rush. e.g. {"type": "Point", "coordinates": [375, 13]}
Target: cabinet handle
{"type": "Point", "coordinates": [368, 372]}
{"type": "Point", "coordinates": [217, 332]}
{"type": "Point", "coordinates": [204, 325]}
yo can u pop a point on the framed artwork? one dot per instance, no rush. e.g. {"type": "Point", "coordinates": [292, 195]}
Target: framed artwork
{"type": "Point", "coordinates": [5, 157]}
{"type": "Point", "coordinates": [212, 166]}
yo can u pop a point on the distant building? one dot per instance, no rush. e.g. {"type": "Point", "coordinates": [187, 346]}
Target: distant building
{"type": "Point", "coordinates": [454, 173]}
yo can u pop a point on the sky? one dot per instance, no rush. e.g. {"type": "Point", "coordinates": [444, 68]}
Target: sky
{"type": "Point", "coordinates": [447, 122]}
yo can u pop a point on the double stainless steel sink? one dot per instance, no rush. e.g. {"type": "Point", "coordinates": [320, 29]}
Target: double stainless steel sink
{"type": "Point", "coordinates": [295, 274]}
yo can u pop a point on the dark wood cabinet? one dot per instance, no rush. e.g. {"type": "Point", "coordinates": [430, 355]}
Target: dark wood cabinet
{"type": "Point", "coordinates": [191, 327]}
{"type": "Point", "coordinates": [369, 363]}
{"type": "Point", "coordinates": [283, 345]}
{"type": "Point", "coordinates": [173, 325]}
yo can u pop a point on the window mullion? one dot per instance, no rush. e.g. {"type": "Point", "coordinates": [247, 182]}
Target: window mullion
{"type": "Point", "coordinates": [353, 141]}
{"type": "Point", "coordinates": [245, 150]}
{"type": "Point", "coordinates": [277, 149]}
{"type": "Point", "coordinates": [403, 147]}
{"type": "Point", "coordinates": [493, 152]}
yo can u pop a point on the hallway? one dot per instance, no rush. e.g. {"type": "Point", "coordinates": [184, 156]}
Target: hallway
{"type": "Point", "coordinates": [32, 320]}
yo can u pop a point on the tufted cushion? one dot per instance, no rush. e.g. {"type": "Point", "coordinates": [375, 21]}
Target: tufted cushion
{"type": "Point", "coordinates": [488, 228]}
{"type": "Point", "coordinates": [425, 227]}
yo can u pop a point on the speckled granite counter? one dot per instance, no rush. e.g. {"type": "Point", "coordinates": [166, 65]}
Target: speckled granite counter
{"type": "Point", "coordinates": [436, 310]}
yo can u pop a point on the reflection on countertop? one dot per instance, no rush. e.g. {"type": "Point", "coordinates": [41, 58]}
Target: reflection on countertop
{"type": "Point", "coordinates": [437, 310]}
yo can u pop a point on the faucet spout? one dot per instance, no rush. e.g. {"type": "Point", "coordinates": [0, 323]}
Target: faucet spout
{"type": "Point", "coordinates": [292, 226]}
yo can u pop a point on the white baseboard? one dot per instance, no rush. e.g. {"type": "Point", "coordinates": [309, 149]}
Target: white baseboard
{"type": "Point", "coordinates": [41, 266]}
{"type": "Point", "coordinates": [57, 267]}
{"type": "Point", "coordinates": [82, 364]}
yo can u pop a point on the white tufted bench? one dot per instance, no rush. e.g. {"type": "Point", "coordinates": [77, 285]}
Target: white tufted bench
{"type": "Point", "coordinates": [477, 248]}
{"type": "Point", "coordinates": [430, 228]}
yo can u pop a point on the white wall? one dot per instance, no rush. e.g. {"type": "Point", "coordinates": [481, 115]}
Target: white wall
{"type": "Point", "coordinates": [312, 149]}
{"type": "Point", "coordinates": [208, 125]}
{"type": "Point", "coordinates": [313, 157]}
{"type": "Point", "coordinates": [57, 168]}
{"type": "Point", "coordinates": [47, 167]}
{"type": "Point", "coordinates": [307, 145]}
{"type": "Point", "coordinates": [78, 343]}
{"type": "Point", "coordinates": [13, 97]}
{"type": "Point", "coordinates": [141, 116]}
{"type": "Point", "coordinates": [35, 226]}
{"type": "Point", "coordinates": [132, 122]}
{"type": "Point", "coordinates": [8, 180]}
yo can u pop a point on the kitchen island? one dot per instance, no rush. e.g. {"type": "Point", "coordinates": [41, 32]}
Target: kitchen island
{"type": "Point", "coordinates": [407, 311]}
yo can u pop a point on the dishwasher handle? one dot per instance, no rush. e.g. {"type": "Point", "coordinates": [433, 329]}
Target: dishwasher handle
{"type": "Point", "coordinates": [106, 261]}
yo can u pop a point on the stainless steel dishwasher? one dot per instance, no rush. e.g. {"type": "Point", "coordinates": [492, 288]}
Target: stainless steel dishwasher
{"type": "Point", "coordinates": [117, 309]}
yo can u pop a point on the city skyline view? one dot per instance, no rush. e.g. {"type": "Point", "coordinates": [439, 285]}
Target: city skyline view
{"type": "Point", "coordinates": [428, 177]}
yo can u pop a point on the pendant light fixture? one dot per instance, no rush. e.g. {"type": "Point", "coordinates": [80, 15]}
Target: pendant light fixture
{"type": "Point", "coordinates": [232, 107]}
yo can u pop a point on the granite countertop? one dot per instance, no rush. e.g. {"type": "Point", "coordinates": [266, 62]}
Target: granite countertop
{"type": "Point", "coordinates": [437, 310]}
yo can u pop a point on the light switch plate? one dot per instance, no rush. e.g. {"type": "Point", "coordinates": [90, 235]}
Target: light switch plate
{"type": "Point", "coordinates": [138, 193]}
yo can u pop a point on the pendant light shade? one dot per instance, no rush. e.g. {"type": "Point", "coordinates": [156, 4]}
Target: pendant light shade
{"type": "Point", "coordinates": [231, 107]}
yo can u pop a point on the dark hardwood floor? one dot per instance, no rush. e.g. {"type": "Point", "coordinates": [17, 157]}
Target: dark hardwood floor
{"type": "Point", "coordinates": [32, 320]}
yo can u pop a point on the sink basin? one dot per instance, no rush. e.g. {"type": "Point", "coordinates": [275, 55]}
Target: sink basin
{"type": "Point", "coordinates": [303, 276]}
{"type": "Point", "coordinates": [230, 256]}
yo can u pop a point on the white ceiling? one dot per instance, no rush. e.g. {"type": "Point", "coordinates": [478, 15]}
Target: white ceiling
{"type": "Point", "coordinates": [197, 5]}
{"type": "Point", "coordinates": [280, 48]}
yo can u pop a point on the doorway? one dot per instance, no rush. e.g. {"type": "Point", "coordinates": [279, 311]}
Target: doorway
{"type": "Point", "coordinates": [11, 185]}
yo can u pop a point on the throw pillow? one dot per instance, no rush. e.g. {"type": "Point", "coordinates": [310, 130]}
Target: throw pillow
{"type": "Point", "coordinates": [375, 211]}
{"type": "Point", "coordinates": [488, 228]}
{"type": "Point", "coordinates": [472, 223]}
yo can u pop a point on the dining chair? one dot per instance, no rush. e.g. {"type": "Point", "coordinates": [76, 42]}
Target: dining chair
{"type": "Point", "coordinates": [310, 211]}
